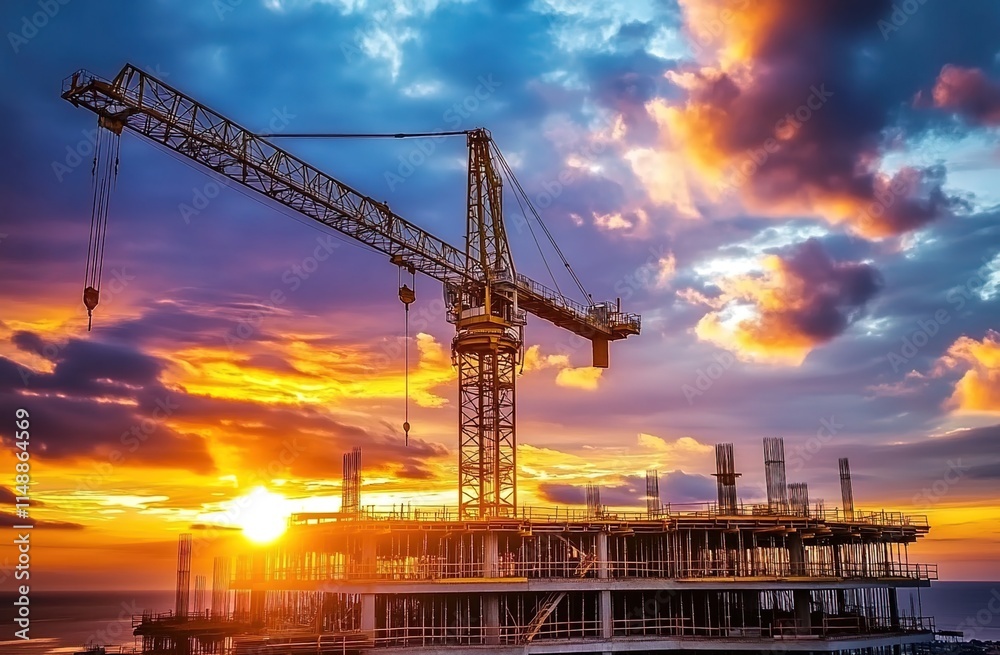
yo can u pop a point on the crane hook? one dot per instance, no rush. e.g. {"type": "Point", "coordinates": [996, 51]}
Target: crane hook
{"type": "Point", "coordinates": [406, 295]}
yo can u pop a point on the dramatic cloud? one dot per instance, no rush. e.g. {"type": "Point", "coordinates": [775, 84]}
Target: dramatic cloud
{"type": "Point", "coordinates": [774, 112]}
{"type": "Point", "coordinates": [979, 387]}
{"type": "Point", "coordinates": [798, 301]}
{"type": "Point", "coordinates": [968, 93]}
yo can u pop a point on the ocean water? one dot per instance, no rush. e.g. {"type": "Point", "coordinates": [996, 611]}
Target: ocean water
{"type": "Point", "coordinates": [972, 607]}
{"type": "Point", "coordinates": [61, 622]}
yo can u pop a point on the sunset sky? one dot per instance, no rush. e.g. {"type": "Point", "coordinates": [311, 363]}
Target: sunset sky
{"type": "Point", "coordinates": [800, 198]}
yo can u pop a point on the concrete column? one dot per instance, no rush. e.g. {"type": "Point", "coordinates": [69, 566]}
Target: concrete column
{"type": "Point", "coordinates": [751, 609]}
{"type": "Point", "coordinates": [257, 596]}
{"type": "Point", "coordinates": [607, 618]}
{"type": "Point", "coordinates": [602, 555]}
{"type": "Point", "coordinates": [838, 570]}
{"type": "Point", "coordinates": [491, 618]}
{"type": "Point", "coordinates": [491, 602]}
{"type": "Point", "coordinates": [491, 555]}
{"type": "Point", "coordinates": [796, 554]}
{"type": "Point", "coordinates": [802, 615]}
{"type": "Point", "coordinates": [893, 609]}
{"type": "Point", "coordinates": [605, 615]}
{"type": "Point", "coordinates": [797, 561]}
{"type": "Point", "coordinates": [369, 557]}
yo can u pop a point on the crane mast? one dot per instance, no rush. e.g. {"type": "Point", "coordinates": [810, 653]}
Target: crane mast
{"type": "Point", "coordinates": [487, 299]}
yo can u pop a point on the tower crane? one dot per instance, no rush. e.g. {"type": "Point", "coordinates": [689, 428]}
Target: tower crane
{"type": "Point", "coordinates": [486, 299]}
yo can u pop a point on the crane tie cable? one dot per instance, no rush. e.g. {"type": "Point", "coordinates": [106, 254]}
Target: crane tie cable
{"type": "Point", "coordinates": [519, 189]}
{"type": "Point", "coordinates": [360, 135]}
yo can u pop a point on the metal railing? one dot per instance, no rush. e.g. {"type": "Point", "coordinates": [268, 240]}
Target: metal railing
{"type": "Point", "coordinates": [669, 512]}
{"type": "Point", "coordinates": [415, 569]}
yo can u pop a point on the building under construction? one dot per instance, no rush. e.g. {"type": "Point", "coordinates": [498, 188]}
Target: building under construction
{"type": "Point", "coordinates": [785, 575]}
{"type": "Point", "coordinates": [491, 575]}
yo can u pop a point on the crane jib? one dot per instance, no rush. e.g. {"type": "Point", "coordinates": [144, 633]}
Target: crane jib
{"type": "Point", "coordinates": [147, 106]}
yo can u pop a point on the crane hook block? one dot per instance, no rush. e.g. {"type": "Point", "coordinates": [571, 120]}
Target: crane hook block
{"type": "Point", "coordinates": [90, 298]}
{"type": "Point", "coordinates": [407, 295]}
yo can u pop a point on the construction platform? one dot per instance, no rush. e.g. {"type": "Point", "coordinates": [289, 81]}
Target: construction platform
{"type": "Point", "coordinates": [425, 580]}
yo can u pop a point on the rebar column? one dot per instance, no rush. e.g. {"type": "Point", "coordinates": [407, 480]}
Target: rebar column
{"type": "Point", "coordinates": [725, 476]}
{"type": "Point", "coordinates": [774, 473]}
{"type": "Point", "coordinates": [199, 595]}
{"type": "Point", "coordinates": [798, 498]}
{"type": "Point", "coordinates": [350, 490]}
{"type": "Point", "coordinates": [653, 504]}
{"type": "Point", "coordinates": [221, 570]}
{"type": "Point", "coordinates": [183, 591]}
{"type": "Point", "coordinates": [846, 488]}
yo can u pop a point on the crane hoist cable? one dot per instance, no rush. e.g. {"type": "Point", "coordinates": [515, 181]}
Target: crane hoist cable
{"type": "Point", "coordinates": [406, 295]}
{"type": "Point", "coordinates": [105, 175]}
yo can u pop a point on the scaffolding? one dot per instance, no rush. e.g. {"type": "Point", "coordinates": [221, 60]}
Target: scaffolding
{"type": "Point", "coordinates": [783, 575]}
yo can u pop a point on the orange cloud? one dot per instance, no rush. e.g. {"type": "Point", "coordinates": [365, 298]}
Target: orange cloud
{"type": "Point", "coordinates": [584, 377]}
{"type": "Point", "coordinates": [769, 118]}
{"type": "Point", "coordinates": [795, 303]}
{"type": "Point", "coordinates": [979, 388]}
{"type": "Point", "coordinates": [968, 92]}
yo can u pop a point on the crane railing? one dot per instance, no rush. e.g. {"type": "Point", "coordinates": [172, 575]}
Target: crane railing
{"type": "Point", "coordinates": [138, 101]}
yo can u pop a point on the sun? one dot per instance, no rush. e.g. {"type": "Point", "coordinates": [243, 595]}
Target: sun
{"type": "Point", "coordinates": [263, 516]}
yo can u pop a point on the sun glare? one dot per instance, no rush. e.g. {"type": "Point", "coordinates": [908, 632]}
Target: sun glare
{"type": "Point", "coordinates": [263, 516]}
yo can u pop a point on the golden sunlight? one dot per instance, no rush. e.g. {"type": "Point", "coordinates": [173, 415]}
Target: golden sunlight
{"type": "Point", "coordinates": [263, 516]}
